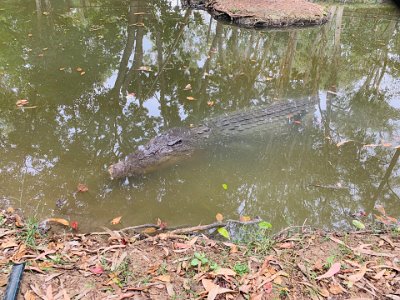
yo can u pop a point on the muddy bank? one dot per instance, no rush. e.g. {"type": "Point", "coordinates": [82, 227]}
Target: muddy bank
{"type": "Point", "coordinates": [264, 13]}
{"type": "Point", "coordinates": [296, 263]}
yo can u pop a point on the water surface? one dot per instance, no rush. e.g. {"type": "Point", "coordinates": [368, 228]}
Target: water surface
{"type": "Point", "coordinates": [104, 77]}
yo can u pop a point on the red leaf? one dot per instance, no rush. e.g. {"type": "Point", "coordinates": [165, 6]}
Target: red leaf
{"type": "Point", "coordinates": [97, 270]}
{"type": "Point", "coordinates": [74, 225]}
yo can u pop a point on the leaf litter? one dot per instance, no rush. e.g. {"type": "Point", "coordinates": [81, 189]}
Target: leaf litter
{"type": "Point", "coordinates": [129, 264]}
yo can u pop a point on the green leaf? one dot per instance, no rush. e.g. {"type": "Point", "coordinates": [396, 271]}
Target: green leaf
{"type": "Point", "coordinates": [358, 224]}
{"type": "Point", "coordinates": [195, 262]}
{"type": "Point", "coordinates": [264, 225]}
{"type": "Point", "coordinates": [225, 186]}
{"type": "Point", "coordinates": [222, 231]}
{"type": "Point", "coordinates": [213, 266]}
{"type": "Point", "coordinates": [198, 255]}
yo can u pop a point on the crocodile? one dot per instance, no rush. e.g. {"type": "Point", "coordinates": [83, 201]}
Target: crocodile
{"type": "Point", "coordinates": [178, 143]}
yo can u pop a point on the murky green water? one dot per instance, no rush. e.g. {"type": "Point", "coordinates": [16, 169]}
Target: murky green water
{"type": "Point", "coordinates": [134, 61]}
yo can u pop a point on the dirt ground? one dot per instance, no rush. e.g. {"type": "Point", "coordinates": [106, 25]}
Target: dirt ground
{"type": "Point", "coordinates": [265, 13]}
{"type": "Point", "coordinates": [297, 263]}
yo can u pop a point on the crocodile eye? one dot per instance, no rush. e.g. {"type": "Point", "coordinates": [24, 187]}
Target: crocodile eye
{"type": "Point", "coordinates": [175, 142]}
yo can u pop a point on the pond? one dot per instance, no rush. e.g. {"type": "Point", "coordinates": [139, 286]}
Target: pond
{"type": "Point", "coordinates": [104, 77]}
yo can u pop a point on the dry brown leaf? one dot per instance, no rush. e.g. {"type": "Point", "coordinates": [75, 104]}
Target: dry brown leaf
{"type": "Point", "coordinates": [334, 269]}
{"type": "Point", "coordinates": [163, 278]}
{"type": "Point", "coordinates": [3, 280]}
{"type": "Point", "coordinates": [335, 289]}
{"type": "Point", "coordinates": [170, 290]}
{"type": "Point", "coordinates": [10, 210]}
{"type": "Point", "coordinates": [18, 221]}
{"type": "Point", "coordinates": [58, 220]}
{"type": "Point", "coordinates": [29, 295]}
{"type": "Point", "coordinates": [188, 87]}
{"type": "Point", "coordinates": [149, 230]}
{"type": "Point", "coordinates": [8, 244]}
{"type": "Point", "coordinates": [213, 289]}
{"type": "Point", "coordinates": [358, 276]}
{"type": "Point", "coordinates": [210, 103]}
{"type": "Point", "coordinates": [49, 293]}
{"type": "Point", "coordinates": [381, 209]}
{"type": "Point", "coordinates": [116, 220]}
{"type": "Point", "coordinates": [224, 272]}
{"type": "Point", "coordinates": [287, 245]}
{"type": "Point", "coordinates": [379, 275]}
{"type": "Point", "coordinates": [20, 253]}
{"type": "Point", "coordinates": [190, 98]}
{"type": "Point", "coordinates": [79, 69]}
{"type": "Point", "coordinates": [244, 218]}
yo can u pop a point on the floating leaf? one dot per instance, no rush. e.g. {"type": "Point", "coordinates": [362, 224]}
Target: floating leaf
{"type": "Point", "coordinates": [190, 98]}
{"type": "Point", "coordinates": [225, 186]}
{"type": "Point", "coordinates": [79, 69]}
{"type": "Point", "coordinates": [74, 225]}
{"type": "Point", "coordinates": [245, 219]}
{"type": "Point", "coordinates": [331, 272]}
{"type": "Point", "coordinates": [22, 102]}
{"type": "Point", "coordinates": [116, 220]}
{"type": "Point", "coordinates": [219, 217]}
{"type": "Point", "coordinates": [188, 87]}
{"type": "Point", "coordinates": [343, 143]}
{"type": "Point", "coordinates": [83, 73]}
{"type": "Point", "coordinates": [358, 224]}
{"type": "Point", "coordinates": [381, 209]}
{"type": "Point", "coordinates": [60, 221]}
{"type": "Point", "coordinates": [82, 188]}
{"type": "Point", "coordinates": [210, 103]}
{"type": "Point", "coordinates": [264, 225]}
{"type": "Point", "coordinates": [222, 231]}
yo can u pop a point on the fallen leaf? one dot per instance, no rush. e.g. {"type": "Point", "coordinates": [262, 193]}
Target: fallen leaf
{"type": "Point", "coordinates": [170, 290]}
{"type": "Point", "coordinates": [358, 276]}
{"type": "Point", "coordinates": [22, 102]}
{"type": "Point", "coordinates": [343, 143]}
{"type": "Point", "coordinates": [10, 210]}
{"type": "Point", "coordinates": [380, 209]}
{"type": "Point", "coordinates": [116, 220]}
{"type": "Point", "coordinates": [224, 272]}
{"type": "Point", "coordinates": [244, 218]}
{"type": "Point", "coordinates": [144, 68]}
{"type": "Point", "coordinates": [8, 244]}
{"type": "Point", "coordinates": [213, 289]}
{"type": "Point", "coordinates": [29, 295]}
{"type": "Point", "coordinates": [335, 268]}
{"type": "Point", "coordinates": [188, 87]}
{"type": "Point", "coordinates": [60, 221]}
{"type": "Point", "coordinates": [358, 224]}
{"type": "Point", "coordinates": [287, 245]}
{"type": "Point", "coordinates": [82, 188]}
{"type": "Point", "coordinates": [97, 270]}
{"type": "Point", "coordinates": [18, 221]}
{"type": "Point", "coordinates": [79, 69]}
{"type": "Point", "coordinates": [163, 278]}
{"type": "Point", "coordinates": [83, 73]}
{"type": "Point", "coordinates": [222, 231]}
{"type": "Point", "coordinates": [210, 103]}
{"type": "Point", "coordinates": [149, 230]}
{"type": "Point", "coordinates": [190, 98]}
{"type": "Point", "coordinates": [335, 289]}
{"type": "Point", "coordinates": [74, 225]}
{"type": "Point", "coordinates": [219, 217]}
{"type": "Point", "coordinates": [225, 186]}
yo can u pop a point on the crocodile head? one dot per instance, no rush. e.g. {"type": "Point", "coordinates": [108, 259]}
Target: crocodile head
{"type": "Point", "coordinates": [165, 149]}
